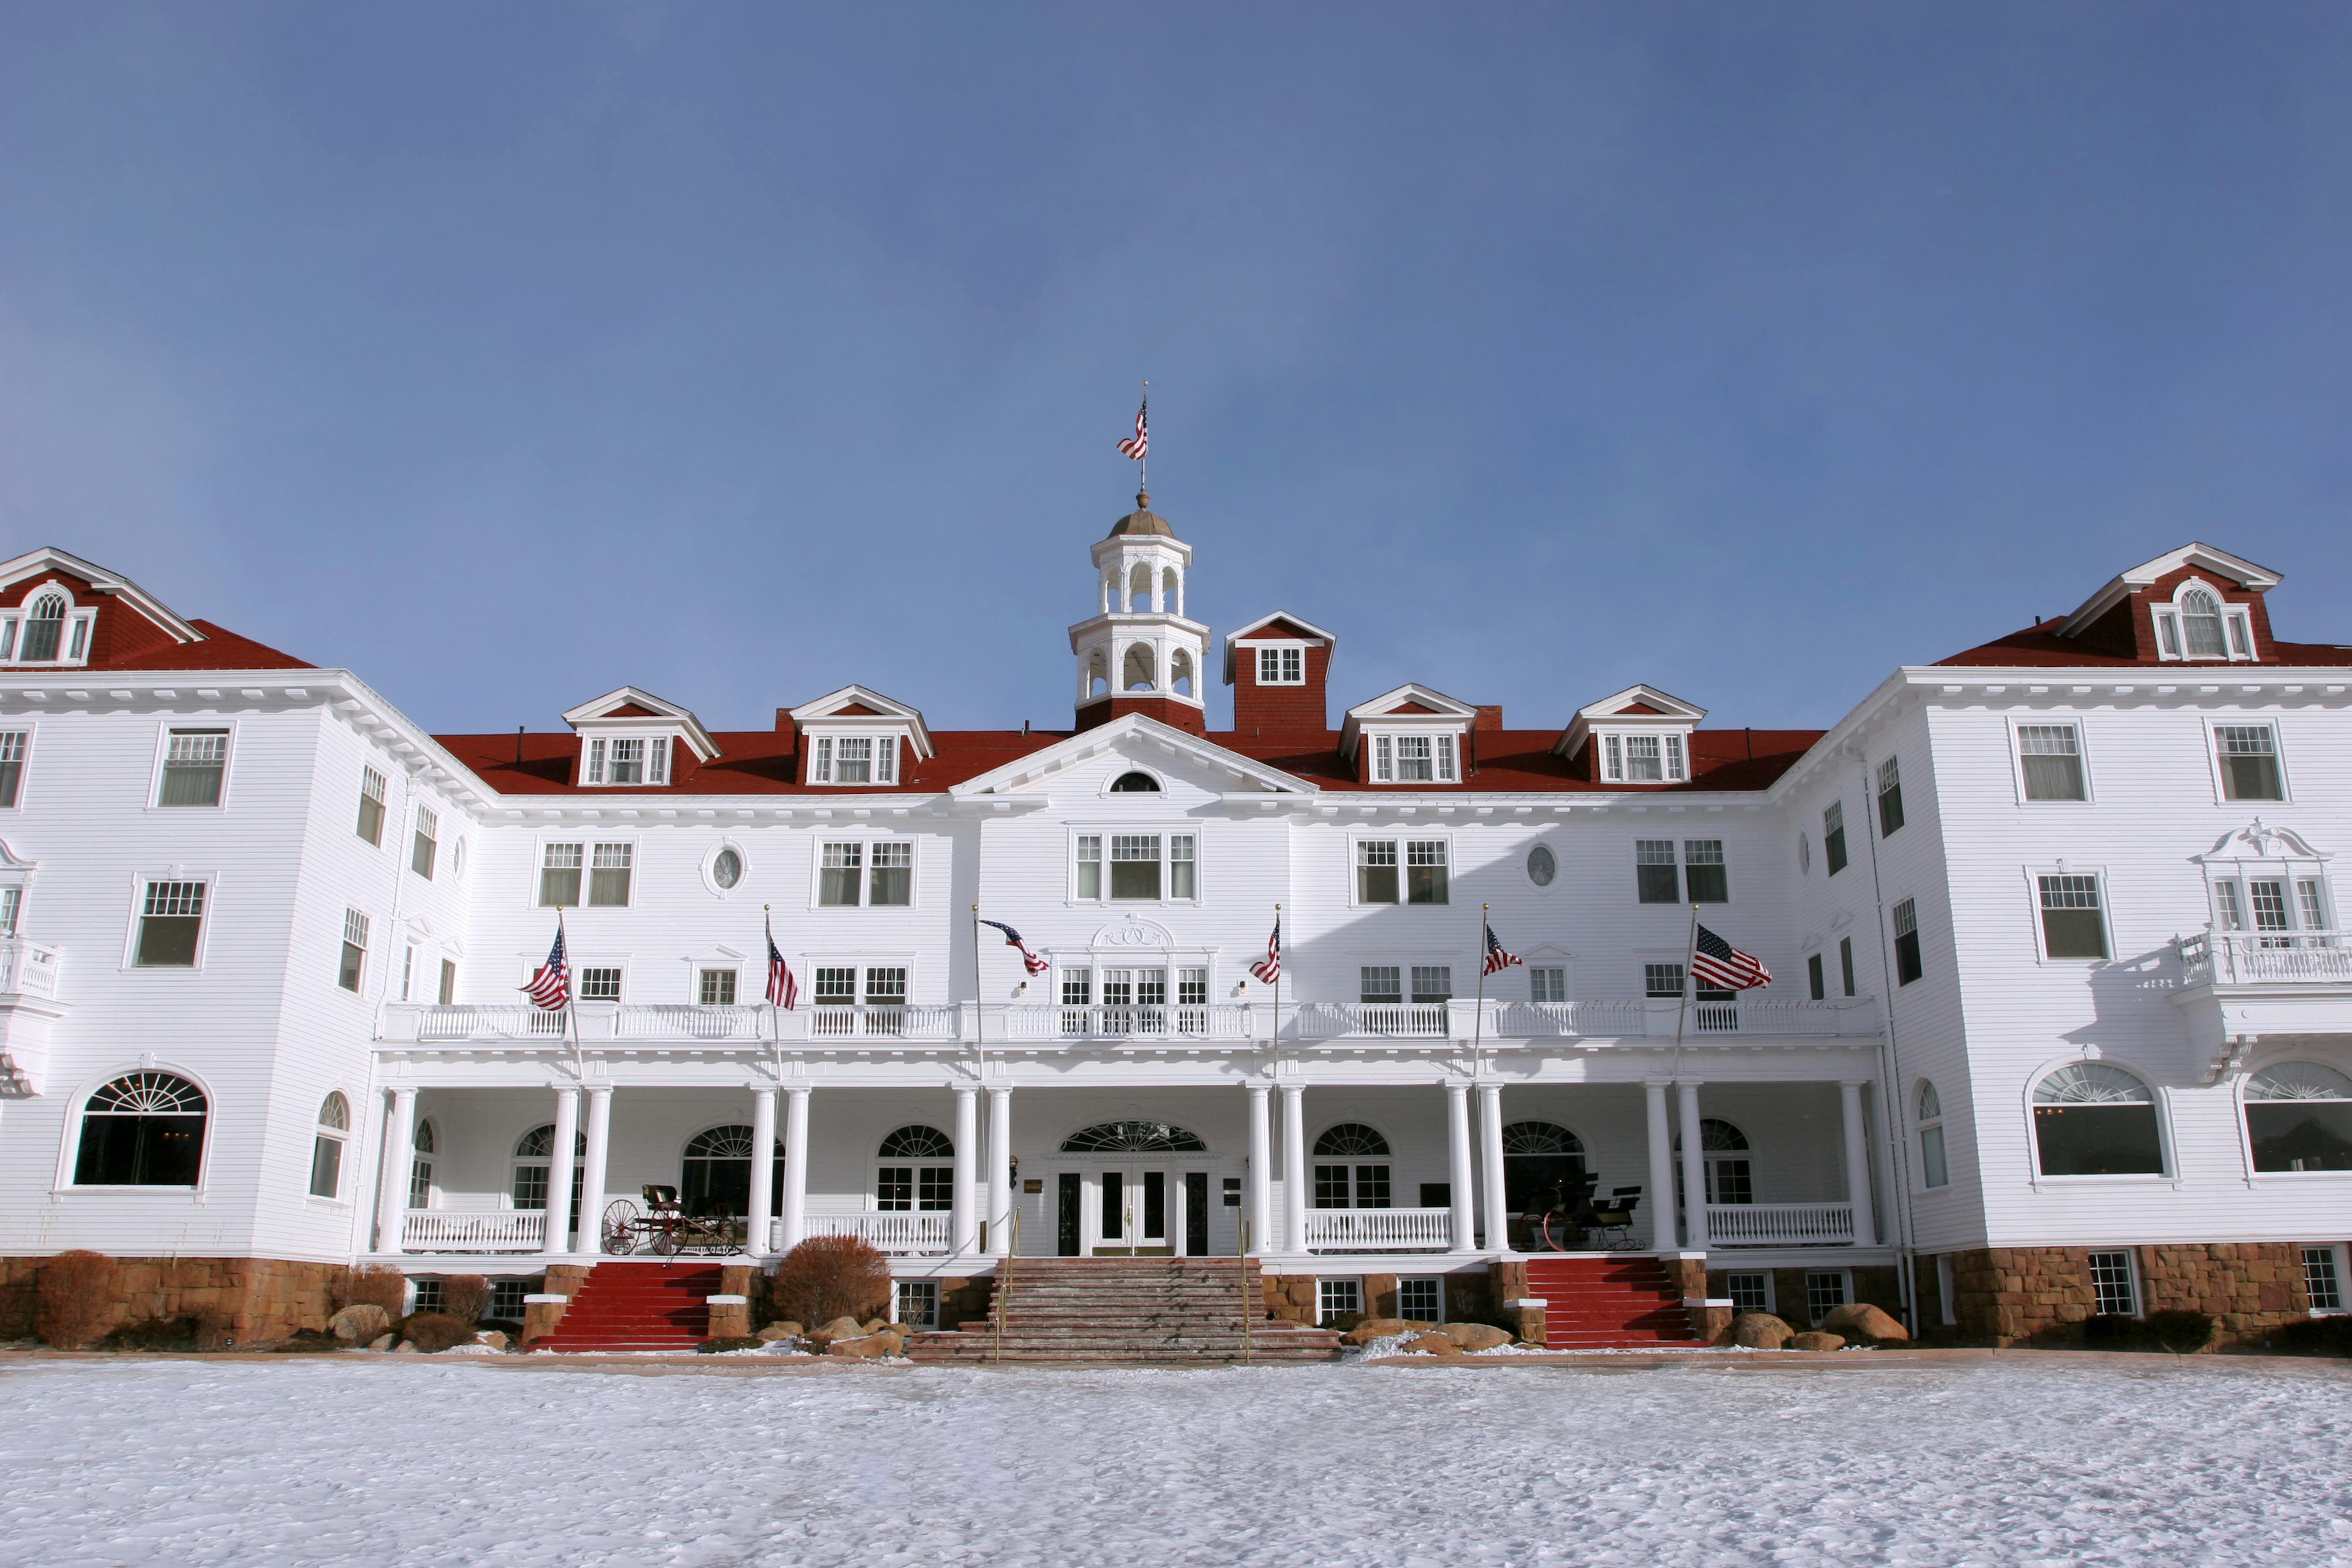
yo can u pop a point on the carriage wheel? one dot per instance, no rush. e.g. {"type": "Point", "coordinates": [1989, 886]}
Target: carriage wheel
{"type": "Point", "coordinates": [620, 1227]}
{"type": "Point", "coordinates": [665, 1235]}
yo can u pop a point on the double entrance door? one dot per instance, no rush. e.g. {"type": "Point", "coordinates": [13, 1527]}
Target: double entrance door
{"type": "Point", "coordinates": [1132, 1210]}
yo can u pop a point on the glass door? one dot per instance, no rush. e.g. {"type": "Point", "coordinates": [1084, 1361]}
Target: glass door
{"type": "Point", "coordinates": [1133, 1214]}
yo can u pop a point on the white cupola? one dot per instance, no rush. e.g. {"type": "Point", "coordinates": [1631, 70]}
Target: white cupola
{"type": "Point", "coordinates": [1137, 653]}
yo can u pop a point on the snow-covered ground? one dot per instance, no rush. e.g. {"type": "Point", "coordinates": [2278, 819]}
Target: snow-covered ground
{"type": "Point", "coordinates": [351, 1460]}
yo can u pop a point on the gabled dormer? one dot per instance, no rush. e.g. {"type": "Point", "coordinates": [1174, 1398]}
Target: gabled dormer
{"type": "Point", "coordinates": [858, 739]}
{"type": "Point", "coordinates": [633, 740]}
{"type": "Point", "coordinates": [1412, 736]}
{"type": "Point", "coordinates": [58, 611]}
{"type": "Point", "coordinates": [1639, 736]}
{"type": "Point", "coordinates": [2191, 605]}
{"type": "Point", "coordinates": [1277, 665]}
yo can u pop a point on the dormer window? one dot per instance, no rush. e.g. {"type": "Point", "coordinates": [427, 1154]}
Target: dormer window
{"type": "Point", "coordinates": [1413, 759]}
{"type": "Point", "coordinates": [854, 760]}
{"type": "Point", "coordinates": [2199, 624]}
{"type": "Point", "coordinates": [626, 761]}
{"type": "Point", "coordinates": [627, 737]}
{"type": "Point", "coordinates": [48, 630]}
{"type": "Point", "coordinates": [1643, 758]}
{"type": "Point", "coordinates": [1282, 666]}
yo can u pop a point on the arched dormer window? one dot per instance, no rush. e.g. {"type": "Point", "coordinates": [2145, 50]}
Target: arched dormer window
{"type": "Point", "coordinates": [2199, 624]}
{"type": "Point", "coordinates": [326, 1146]}
{"type": "Point", "coordinates": [143, 1130]}
{"type": "Point", "coordinates": [45, 628]}
{"type": "Point", "coordinates": [910, 1178]}
{"type": "Point", "coordinates": [48, 630]}
{"type": "Point", "coordinates": [2093, 1120]}
{"type": "Point", "coordinates": [2299, 1118]}
{"type": "Point", "coordinates": [1352, 1168]}
{"type": "Point", "coordinates": [1135, 784]}
{"type": "Point", "coordinates": [1935, 1168]}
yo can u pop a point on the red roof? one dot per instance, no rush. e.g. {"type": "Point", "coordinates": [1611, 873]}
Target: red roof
{"type": "Point", "coordinates": [2041, 647]}
{"type": "Point", "coordinates": [220, 649]}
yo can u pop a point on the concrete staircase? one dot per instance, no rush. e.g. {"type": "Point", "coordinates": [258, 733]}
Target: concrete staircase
{"type": "Point", "coordinates": [1163, 1309]}
{"type": "Point", "coordinates": [1609, 1303]}
{"type": "Point", "coordinates": [638, 1306]}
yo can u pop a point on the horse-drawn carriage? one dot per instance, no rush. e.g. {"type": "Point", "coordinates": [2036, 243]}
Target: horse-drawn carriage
{"type": "Point", "coordinates": [663, 1228]}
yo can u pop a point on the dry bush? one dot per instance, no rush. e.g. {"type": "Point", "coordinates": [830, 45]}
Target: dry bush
{"type": "Point", "coordinates": [465, 1297]}
{"type": "Point", "coordinates": [75, 1299]}
{"type": "Point", "coordinates": [829, 1277]}
{"type": "Point", "coordinates": [437, 1331]}
{"type": "Point", "coordinates": [373, 1282]}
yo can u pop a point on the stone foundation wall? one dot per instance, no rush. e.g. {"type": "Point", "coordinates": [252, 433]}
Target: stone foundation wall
{"type": "Point", "coordinates": [967, 1300]}
{"type": "Point", "coordinates": [2016, 1295]}
{"type": "Point", "coordinates": [1290, 1296]}
{"type": "Point", "coordinates": [1879, 1286]}
{"type": "Point", "coordinates": [258, 1297]}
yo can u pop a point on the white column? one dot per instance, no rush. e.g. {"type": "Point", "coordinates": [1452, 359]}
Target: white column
{"type": "Point", "coordinates": [967, 1170]}
{"type": "Point", "coordinates": [1294, 1167]}
{"type": "Point", "coordinates": [1000, 1171]}
{"type": "Point", "coordinates": [1261, 1170]}
{"type": "Point", "coordinates": [1662, 1168]}
{"type": "Point", "coordinates": [763, 1169]}
{"type": "Point", "coordinates": [592, 1174]}
{"type": "Point", "coordinates": [1693, 1167]}
{"type": "Point", "coordinates": [559, 1172]}
{"type": "Point", "coordinates": [796, 1136]}
{"type": "Point", "coordinates": [399, 1158]}
{"type": "Point", "coordinates": [1457, 1164]}
{"type": "Point", "coordinates": [1490, 1157]}
{"type": "Point", "coordinates": [1857, 1165]}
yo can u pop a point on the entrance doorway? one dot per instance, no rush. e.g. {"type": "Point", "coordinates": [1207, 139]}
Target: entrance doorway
{"type": "Point", "coordinates": [1139, 1189]}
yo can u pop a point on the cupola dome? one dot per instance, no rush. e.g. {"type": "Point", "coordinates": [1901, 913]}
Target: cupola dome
{"type": "Point", "coordinates": [1143, 521]}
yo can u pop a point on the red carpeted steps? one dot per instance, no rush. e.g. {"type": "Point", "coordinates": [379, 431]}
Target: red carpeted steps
{"type": "Point", "coordinates": [1608, 1303]}
{"type": "Point", "coordinates": [1127, 1309]}
{"type": "Point", "coordinates": [636, 1306]}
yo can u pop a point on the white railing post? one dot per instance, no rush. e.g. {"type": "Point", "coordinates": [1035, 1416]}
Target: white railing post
{"type": "Point", "coordinates": [399, 1158]}
{"type": "Point", "coordinates": [796, 1133]}
{"type": "Point", "coordinates": [967, 1168]}
{"type": "Point", "coordinates": [1662, 1168]}
{"type": "Point", "coordinates": [1857, 1163]}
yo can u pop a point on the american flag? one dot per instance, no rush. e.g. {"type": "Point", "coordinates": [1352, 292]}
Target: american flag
{"type": "Point", "coordinates": [1269, 968]}
{"type": "Point", "coordinates": [1137, 445]}
{"type": "Point", "coordinates": [1715, 961]}
{"type": "Point", "coordinates": [783, 991]}
{"type": "Point", "coordinates": [1035, 964]}
{"type": "Point", "coordinates": [550, 988]}
{"type": "Point", "coordinates": [1498, 958]}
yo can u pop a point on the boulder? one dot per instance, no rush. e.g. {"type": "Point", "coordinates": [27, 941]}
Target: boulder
{"type": "Point", "coordinates": [406, 1347]}
{"type": "Point", "coordinates": [1477, 1336]}
{"type": "Point", "coordinates": [843, 1328]}
{"type": "Point", "coordinates": [782, 1328]}
{"type": "Point", "coordinates": [1760, 1332]}
{"type": "Point", "coordinates": [360, 1322]}
{"type": "Point", "coordinates": [494, 1338]}
{"type": "Point", "coordinates": [1864, 1323]}
{"type": "Point", "coordinates": [1372, 1329]}
{"type": "Point", "coordinates": [1432, 1344]}
{"type": "Point", "coordinates": [874, 1325]}
{"type": "Point", "coordinates": [382, 1341]}
{"type": "Point", "coordinates": [1817, 1343]}
{"type": "Point", "coordinates": [867, 1347]}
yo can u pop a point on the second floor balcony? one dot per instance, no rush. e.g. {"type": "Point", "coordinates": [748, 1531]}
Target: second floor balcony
{"type": "Point", "coordinates": [2265, 958]}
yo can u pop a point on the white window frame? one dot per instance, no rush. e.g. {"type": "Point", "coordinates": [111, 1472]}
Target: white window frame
{"type": "Point", "coordinates": [74, 636]}
{"type": "Point", "coordinates": [1771, 1294]}
{"type": "Point", "coordinates": [2034, 875]}
{"type": "Point", "coordinates": [593, 842]}
{"type": "Point", "coordinates": [2018, 724]}
{"type": "Point", "coordinates": [865, 840]}
{"type": "Point", "coordinates": [1105, 833]}
{"type": "Point", "coordinates": [2214, 724]}
{"type": "Point", "coordinates": [347, 1136]}
{"type": "Point", "coordinates": [598, 758]}
{"type": "Point", "coordinates": [1446, 759]}
{"type": "Point", "coordinates": [2237, 627]}
{"type": "Point", "coordinates": [354, 922]}
{"type": "Point", "coordinates": [2343, 1258]}
{"type": "Point", "coordinates": [1327, 1286]}
{"type": "Point", "coordinates": [1279, 654]}
{"type": "Point", "coordinates": [1437, 1280]}
{"type": "Point", "coordinates": [581, 965]}
{"type": "Point", "coordinates": [425, 827]}
{"type": "Point", "coordinates": [2138, 1288]}
{"type": "Point", "coordinates": [130, 964]}
{"type": "Point", "coordinates": [882, 760]}
{"type": "Point", "coordinates": [30, 731]}
{"type": "Point", "coordinates": [2159, 1098]}
{"type": "Point", "coordinates": [1923, 1125]}
{"type": "Point", "coordinates": [540, 846]}
{"type": "Point", "coordinates": [1846, 1276]}
{"type": "Point", "coordinates": [1673, 756]}
{"type": "Point", "coordinates": [69, 1150]}
{"type": "Point", "coordinates": [1400, 837]}
{"type": "Point", "coordinates": [710, 867]}
{"type": "Point", "coordinates": [164, 733]}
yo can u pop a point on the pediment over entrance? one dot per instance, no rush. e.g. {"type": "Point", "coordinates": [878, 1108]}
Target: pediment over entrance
{"type": "Point", "coordinates": [1134, 933]}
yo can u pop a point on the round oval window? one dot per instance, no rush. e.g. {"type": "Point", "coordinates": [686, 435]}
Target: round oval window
{"type": "Point", "coordinates": [1540, 866]}
{"type": "Point", "coordinates": [728, 870]}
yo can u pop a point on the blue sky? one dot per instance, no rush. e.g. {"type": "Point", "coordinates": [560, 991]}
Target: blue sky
{"type": "Point", "coordinates": [508, 353]}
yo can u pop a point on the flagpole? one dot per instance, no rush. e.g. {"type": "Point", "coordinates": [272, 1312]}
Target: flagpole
{"type": "Point", "coordinates": [768, 929]}
{"type": "Point", "coordinates": [1143, 474]}
{"type": "Point", "coordinates": [1478, 1033]}
{"type": "Point", "coordinates": [1274, 1033]}
{"type": "Point", "coordinates": [978, 1001]}
{"type": "Point", "coordinates": [1690, 984]}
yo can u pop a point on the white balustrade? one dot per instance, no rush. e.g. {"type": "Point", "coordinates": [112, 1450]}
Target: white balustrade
{"type": "Point", "coordinates": [1191, 1020]}
{"type": "Point", "coordinates": [898, 1235]}
{"type": "Point", "coordinates": [1780, 1225]}
{"type": "Point", "coordinates": [1414, 1020]}
{"type": "Point", "coordinates": [27, 968]}
{"type": "Point", "coordinates": [1546, 1020]}
{"type": "Point", "coordinates": [929, 1022]}
{"type": "Point", "coordinates": [481, 1230]}
{"type": "Point", "coordinates": [682, 1021]}
{"type": "Point", "coordinates": [1379, 1230]}
{"type": "Point", "coordinates": [2265, 958]}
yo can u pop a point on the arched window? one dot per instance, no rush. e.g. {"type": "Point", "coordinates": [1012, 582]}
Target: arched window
{"type": "Point", "coordinates": [326, 1146]}
{"type": "Point", "coordinates": [1180, 672]}
{"type": "Point", "coordinates": [1543, 1167]}
{"type": "Point", "coordinates": [533, 1152]}
{"type": "Point", "coordinates": [1935, 1171]}
{"type": "Point", "coordinates": [2093, 1120]}
{"type": "Point", "coordinates": [1358, 1174]}
{"type": "Point", "coordinates": [1139, 588]}
{"type": "Point", "coordinates": [1097, 674]}
{"type": "Point", "coordinates": [1133, 1138]}
{"type": "Point", "coordinates": [1730, 1179]}
{"type": "Point", "coordinates": [1137, 675]}
{"type": "Point", "coordinates": [905, 1182]}
{"type": "Point", "coordinates": [2299, 1118]}
{"type": "Point", "coordinates": [1172, 591]}
{"type": "Point", "coordinates": [143, 1130]}
{"type": "Point", "coordinates": [2200, 625]}
{"type": "Point", "coordinates": [420, 1168]}
{"type": "Point", "coordinates": [1135, 784]}
{"type": "Point", "coordinates": [715, 1176]}
{"type": "Point", "coordinates": [44, 628]}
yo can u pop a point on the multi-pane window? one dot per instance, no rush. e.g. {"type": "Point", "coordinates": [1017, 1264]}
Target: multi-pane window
{"type": "Point", "coordinates": [608, 875]}
{"type": "Point", "coordinates": [841, 872]}
{"type": "Point", "coordinates": [1376, 871]}
{"type": "Point", "coordinates": [716, 988]}
{"type": "Point", "coordinates": [1413, 759]}
{"type": "Point", "coordinates": [449, 982]}
{"type": "Point", "coordinates": [371, 822]}
{"type": "Point", "coordinates": [1826, 1290]}
{"type": "Point", "coordinates": [854, 760]}
{"type": "Point", "coordinates": [1421, 1298]}
{"type": "Point", "coordinates": [1833, 835]}
{"type": "Point", "coordinates": [354, 956]}
{"type": "Point", "coordinates": [2072, 924]}
{"type": "Point", "coordinates": [1655, 879]}
{"type": "Point", "coordinates": [893, 878]}
{"type": "Point", "coordinates": [1089, 865]}
{"type": "Point", "coordinates": [2321, 1280]}
{"type": "Point", "coordinates": [880, 873]}
{"type": "Point", "coordinates": [1547, 983]}
{"type": "Point", "coordinates": [1705, 876]}
{"type": "Point", "coordinates": [195, 764]}
{"type": "Point", "coordinates": [1890, 797]}
{"type": "Point", "coordinates": [1135, 866]}
{"type": "Point", "coordinates": [835, 987]}
{"type": "Point", "coordinates": [1180, 883]}
{"type": "Point", "coordinates": [1934, 1170]}
{"type": "Point", "coordinates": [11, 910]}
{"type": "Point", "coordinates": [1907, 966]}
{"type": "Point", "coordinates": [14, 745]}
{"type": "Point", "coordinates": [1433, 981]}
{"type": "Point", "coordinates": [628, 760]}
{"type": "Point", "coordinates": [1751, 1290]}
{"type": "Point", "coordinates": [919, 1303]}
{"type": "Point", "coordinates": [2051, 755]}
{"type": "Point", "coordinates": [1661, 980]}
{"type": "Point", "coordinates": [1381, 982]}
{"type": "Point", "coordinates": [1077, 987]}
{"type": "Point", "coordinates": [2115, 1283]}
{"type": "Point", "coordinates": [559, 875]}
{"type": "Point", "coordinates": [2200, 626]}
{"type": "Point", "coordinates": [1846, 962]}
{"type": "Point", "coordinates": [170, 920]}
{"type": "Point", "coordinates": [1642, 759]}
{"type": "Point", "coordinates": [2249, 764]}
{"type": "Point", "coordinates": [1815, 985]}
{"type": "Point", "coordinates": [886, 986]}
{"type": "Point", "coordinates": [2091, 1119]}
{"type": "Point", "coordinates": [420, 1167]}
{"type": "Point", "coordinates": [1425, 871]}
{"type": "Point", "coordinates": [427, 846]}
{"type": "Point", "coordinates": [1281, 665]}
{"type": "Point", "coordinates": [1338, 1299]}
{"type": "Point", "coordinates": [1141, 864]}
{"type": "Point", "coordinates": [2310, 898]}
{"type": "Point", "coordinates": [600, 983]}
{"type": "Point", "coordinates": [407, 969]}
{"type": "Point", "coordinates": [326, 1146]}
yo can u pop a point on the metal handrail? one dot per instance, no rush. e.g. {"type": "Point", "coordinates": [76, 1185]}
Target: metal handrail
{"type": "Point", "coordinates": [1243, 1259]}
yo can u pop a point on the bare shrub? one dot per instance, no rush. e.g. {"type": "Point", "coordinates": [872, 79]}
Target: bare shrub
{"type": "Point", "coordinates": [372, 1283]}
{"type": "Point", "coordinates": [75, 1299]}
{"type": "Point", "coordinates": [437, 1330]}
{"type": "Point", "coordinates": [465, 1297]}
{"type": "Point", "coordinates": [829, 1277]}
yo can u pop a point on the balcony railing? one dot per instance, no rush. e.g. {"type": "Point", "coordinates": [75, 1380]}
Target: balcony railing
{"type": "Point", "coordinates": [936, 1021]}
{"type": "Point", "coordinates": [1189, 1020]}
{"type": "Point", "coordinates": [27, 969]}
{"type": "Point", "coordinates": [482, 1230]}
{"type": "Point", "coordinates": [1379, 1230]}
{"type": "Point", "coordinates": [1780, 1225]}
{"type": "Point", "coordinates": [1413, 1020]}
{"type": "Point", "coordinates": [2265, 958]}
{"type": "Point", "coordinates": [897, 1235]}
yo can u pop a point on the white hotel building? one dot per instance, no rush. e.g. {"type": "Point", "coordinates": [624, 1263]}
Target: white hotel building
{"type": "Point", "coordinates": [2061, 1013]}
